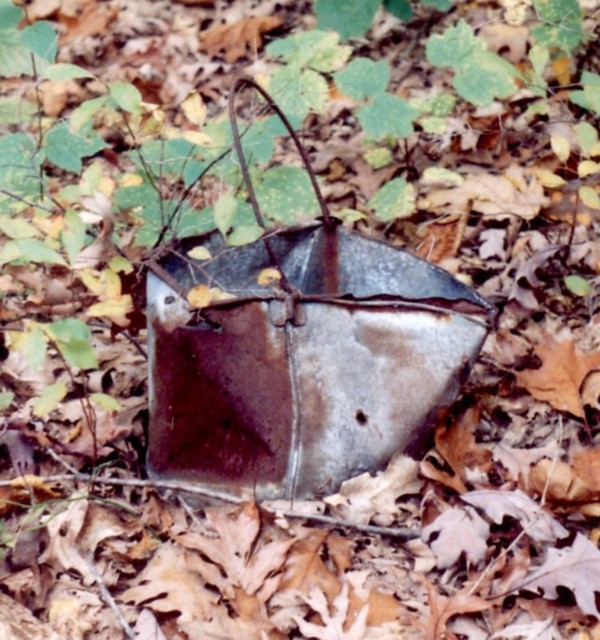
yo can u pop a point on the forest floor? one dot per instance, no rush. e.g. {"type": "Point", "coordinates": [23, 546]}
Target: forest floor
{"type": "Point", "coordinates": [502, 512]}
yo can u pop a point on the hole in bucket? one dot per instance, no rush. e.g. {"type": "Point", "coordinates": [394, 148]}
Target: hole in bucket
{"type": "Point", "coordinates": [361, 417]}
{"type": "Point", "coordinates": [169, 299]}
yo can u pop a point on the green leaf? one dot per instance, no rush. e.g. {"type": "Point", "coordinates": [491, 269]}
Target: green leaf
{"type": "Point", "coordinates": [299, 92]}
{"type": "Point", "coordinates": [319, 50]}
{"type": "Point", "coordinates": [49, 399]}
{"type": "Point", "coordinates": [165, 157]}
{"type": "Point", "coordinates": [31, 250]}
{"type": "Point", "coordinates": [244, 235]}
{"type": "Point", "coordinates": [586, 134]}
{"type": "Point", "coordinates": [379, 157]}
{"type": "Point", "coordinates": [6, 398]}
{"type": "Point", "coordinates": [65, 148]}
{"type": "Point", "coordinates": [86, 111]}
{"type": "Point", "coordinates": [72, 236]}
{"type": "Point", "coordinates": [224, 211]}
{"type": "Point", "coordinates": [440, 5]}
{"type": "Point", "coordinates": [352, 19]}
{"type": "Point", "coordinates": [561, 24]}
{"type": "Point", "coordinates": [106, 402]}
{"type": "Point", "coordinates": [10, 15]}
{"type": "Point", "coordinates": [19, 165]}
{"type": "Point", "coordinates": [15, 110]}
{"type": "Point", "coordinates": [453, 47]}
{"type": "Point", "coordinates": [34, 346]}
{"type": "Point", "coordinates": [17, 227]}
{"type": "Point", "coordinates": [399, 8]}
{"type": "Point", "coordinates": [589, 98]}
{"type": "Point", "coordinates": [41, 38]}
{"type": "Point", "coordinates": [126, 96]}
{"type": "Point", "coordinates": [62, 71]}
{"type": "Point", "coordinates": [387, 115]}
{"type": "Point", "coordinates": [578, 286]}
{"type": "Point", "coordinates": [15, 58]}
{"type": "Point", "coordinates": [285, 194]}
{"type": "Point", "coordinates": [484, 78]}
{"type": "Point", "coordinates": [589, 197]}
{"type": "Point", "coordinates": [192, 222]}
{"type": "Point", "coordinates": [363, 78]}
{"type": "Point", "coordinates": [73, 339]}
{"type": "Point", "coordinates": [395, 200]}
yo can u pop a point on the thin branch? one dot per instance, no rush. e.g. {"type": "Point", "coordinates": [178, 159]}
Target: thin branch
{"type": "Point", "coordinates": [110, 601]}
{"type": "Point", "coordinates": [401, 533]}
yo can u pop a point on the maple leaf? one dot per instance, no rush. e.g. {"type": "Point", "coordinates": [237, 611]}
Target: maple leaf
{"type": "Point", "coordinates": [239, 38]}
{"type": "Point", "coordinates": [459, 531]}
{"type": "Point", "coordinates": [558, 381]}
{"type": "Point", "coordinates": [576, 567]}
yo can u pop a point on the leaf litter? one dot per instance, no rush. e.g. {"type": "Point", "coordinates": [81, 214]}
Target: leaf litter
{"type": "Point", "coordinates": [505, 502]}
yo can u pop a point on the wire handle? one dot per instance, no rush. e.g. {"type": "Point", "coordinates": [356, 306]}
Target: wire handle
{"type": "Point", "coordinates": [328, 220]}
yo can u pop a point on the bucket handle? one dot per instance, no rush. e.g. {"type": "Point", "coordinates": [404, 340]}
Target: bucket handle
{"type": "Point", "coordinates": [328, 220]}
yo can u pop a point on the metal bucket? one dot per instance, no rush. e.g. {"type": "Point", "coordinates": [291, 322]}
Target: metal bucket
{"type": "Point", "coordinates": [285, 392]}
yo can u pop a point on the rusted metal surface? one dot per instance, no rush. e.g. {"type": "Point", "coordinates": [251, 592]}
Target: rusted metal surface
{"type": "Point", "coordinates": [287, 395]}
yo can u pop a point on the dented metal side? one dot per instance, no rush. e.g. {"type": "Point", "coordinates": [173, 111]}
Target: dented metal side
{"type": "Point", "coordinates": [287, 395]}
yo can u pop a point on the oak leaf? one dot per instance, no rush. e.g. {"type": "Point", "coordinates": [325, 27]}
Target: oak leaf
{"type": "Point", "coordinates": [443, 608]}
{"type": "Point", "coordinates": [558, 381]}
{"type": "Point", "coordinates": [538, 524]}
{"type": "Point", "coordinates": [576, 567]}
{"type": "Point", "coordinates": [239, 38]}
{"type": "Point", "coordinates": [457, 531]}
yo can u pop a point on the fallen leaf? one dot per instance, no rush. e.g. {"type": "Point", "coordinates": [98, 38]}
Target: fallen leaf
{"type": "Point", "coordinates": [238, 39]}
{"type": "Point", "coordinates": [18, 623]}
{"type": "Point", "coordinates": [558, 381]}
{"type": "Point", "coordinates": [443, 608]}
{"type": "Point", "coordinates": [457, 531]}
{"type": "Point", "coordinates": [333, 624]}
{"type": "Point", "coordinates": [537, 523]}
{"type": "Point", "coordinates": [366, 497]}
{"type": "Point", "coordinates": [576, 567]}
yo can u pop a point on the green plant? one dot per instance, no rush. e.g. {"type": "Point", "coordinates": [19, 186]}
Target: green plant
{"type": "Point", "coordinates": [354, 17]}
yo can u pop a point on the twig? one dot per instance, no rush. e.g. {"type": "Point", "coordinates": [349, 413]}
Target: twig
{"type": "Point", "coordinates": [402, 533]}
{"type": "Point", "coordinates": [110, 601]}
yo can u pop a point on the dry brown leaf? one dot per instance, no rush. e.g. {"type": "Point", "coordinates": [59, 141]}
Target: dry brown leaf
{"type": "Point", "coordinates": [513, 193]}
{"type": "Point", "coordinates": [169, 584]}
{"type": "Point", "coordinates": [334, 625]}
{"type": "Point", "coordinates": [442, 609]}
{"type": "Point", "coordinates": [18, 623]}
{"type": "Point", "coordinates": [367, 498]}
{"type": "Point", "coordinates": [441, 239]}
{"type": "Point", "coordinates": [237, 559]}
{"type": "Point", "coordinates": [305, 569]}
{"type": "Point", "coordinates": [238, 39]}
{"type": "Point", "coordinates": [537, 523]}
{"type": "Point", "coordinates": [576, 567]}
{"type": "Point", "coordinates": [454, 532]}
{"type": "Point", "coordinates": [558, 381]}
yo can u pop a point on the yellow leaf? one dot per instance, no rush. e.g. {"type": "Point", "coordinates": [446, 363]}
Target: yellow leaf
{"type": "Point", "coordinates": [49, 399]}
{"type": "Point", "coordinates": [194, 109]}
{"type": "Point", "coordinates": [217, 295]}
{"type": "Point", "coordinates": [560, 146]}
{"type": "Point", "coordinates": [589, 197]}
{"type": "Point", "coordinates": [549, 179]}
{"type": "Point", "coordinates": [130, 180]}
{"type": "Point", "coordinates": [199, 253]}
{"type": "Point", "coordinates": [50, 227]}
{"type": "Point", "coordinates": [562, 70]}
{"type": "Point", "coordinates": [200, 296]}
{"type": "Point", "coordinates": [587, 168]}
{"type": "Point", "coordinates": [116, 309]}
{"type": "Point", "coordinates": [120, 263]}
{"type": "Point", "coordinates": [197, 137]}
{"type": "Point", "coordinates": [268, 276]}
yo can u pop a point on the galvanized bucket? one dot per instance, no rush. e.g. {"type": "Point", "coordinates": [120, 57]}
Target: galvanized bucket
{"type": "Point", "coordinates": [285, 391]}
